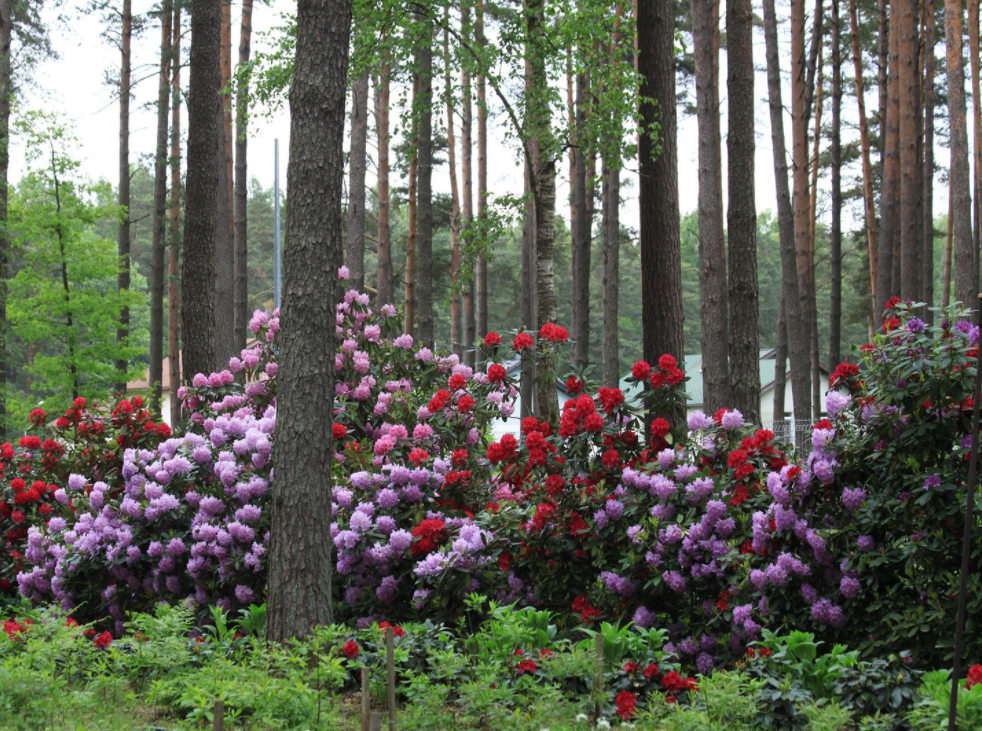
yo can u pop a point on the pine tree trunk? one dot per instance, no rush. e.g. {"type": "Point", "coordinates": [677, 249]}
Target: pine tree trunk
{"type": "Point", "coordinates": [973, 55]}
{"type": "Point", "coordinates": [712, 255]}
{"type": "Point", "coordinates": [741, 217]}
{"type": "Point", "coordinates": [946, 291]}
{"type": "Point", "coordinates": [156, 371]}
{"type": "Point", "coordinates": [906, 79]}
{"type": "Point", "coordinates": [812, 220]}
{"type": "Point", "coordinates": [481, 278]}
{"type": "Point", "coordinates": [871, 237]}
{"type": "Point", "coordinates": [204, 192]}
{"type": "Point", "coordinates": [234, 337]}
{"type": "Point", "coordinates": [354, 256]}
{"type": "Point", "coordinates": [456, 325]}
{"type": "Point", "coordinates": [411, 215]}
{"type": "Point", "coordinates": [580, 254]}
{"type": "Point", "coordinates": [123, 237]}
{"type": "Point", "coordinates": [174, 234]}
{"type": "Point", "coordinates": [424, 188]}
{"type": "Point", "coordinates": [6, 92]}
{"type": "Point", "coordinates": [801, 202]}
{"type": "Point", "coordinates": [300, 564]}
{"type": "Point", "coordinates": [780, 368]}
{"type": "Point", "coordinates": [796, 336]}
{"type": "Point", "coordinates": [528, 304]}
{"type": "Point", "coordinates": [966, 276]}
{"type": "Point", "coordinates": [611, 177]}
{"type": "Point", "coordinates": [887, 286]}
{"type": "Point", "coordinates": [918, 160]}
{"type": "Point", "coordinates": [384, 281]}
{"type": "Point", "coordinates": [660, 244]}
{"type": "Point", "coordinates": [882, 69]}
{"type": "Point", "coordinates": [467, 191]}
{"type": "Point", "coordinates": [927, 257]}
{"type": "Point", "coordinates": [241, 187]}
{"type": "Point", "coordinates": [835, 242]}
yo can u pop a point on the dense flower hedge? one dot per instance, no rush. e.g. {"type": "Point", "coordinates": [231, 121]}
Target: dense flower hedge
{"type": "Point", "coordinates": [711, 529]}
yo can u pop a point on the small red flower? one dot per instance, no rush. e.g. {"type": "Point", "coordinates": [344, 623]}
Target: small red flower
{"type": "Point", "coordinates": [659, 428]}
{"type": "Point", "coordinates": [574, 385]}
{"type": "Point", "coordinates": [492, 339]}
{"type": "Point", "coordinates": [418, 456]}
{"type": "Point", "coordinates": [37, 417]}
{"type": "Point", "coordinates": [339, 431]}
{"type": "Point", "coordinates": [522, 340]}
{"type": "Point", "coordinates": [457, 382]}
{"type": "Point", "coordinates": [631, 667]}
{"type": "Point", "coordinates": [640, 371]}
{"type": "Point", "coordinates": [351, 649]}
{"type": "Point", "coordinates": [651, 671]}
{"type": "Point", "coordinates": [103, 640]}
{"type": "Point", "coordinates": [465, 403]}
{"type": "Point", "coordinates": [496, 373]}
{"type": "Point", "coordinates": [625, 704]}
{"type": "Point", "coordinates": [527, 666]}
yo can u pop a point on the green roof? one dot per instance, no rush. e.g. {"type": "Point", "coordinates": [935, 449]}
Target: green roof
{"type": "Point", "coordinates": [693, 371]}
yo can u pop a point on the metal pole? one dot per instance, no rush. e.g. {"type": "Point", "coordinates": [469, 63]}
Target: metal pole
{"type": "Point", "coordinates": [971, 487]}
{"type": "Point", "coordinates": [276, 224]}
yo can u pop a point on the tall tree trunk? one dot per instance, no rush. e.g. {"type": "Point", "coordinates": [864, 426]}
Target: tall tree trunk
{"type": "Point", "coordinates": [660, 244]}
{"type": "Point", "coordinates": [411, 215]}
{"type": "Point", "coordinates": [203, 224]}
{"type": "Point", "coordinates": [481, 278]}
{"type": "Point", "coordinates": [918, 157]}
{"type": "Point", "coordinates": [384, 282]}
{"type": "Point", "coordinates": [544, 187]}
{"type": "Point", "coordinates": [467, 190]}
{"type": "Point", "coordinates": [741, 218]}
{"type": "Point", "coordinates": [780, 368]}
{"type": "Point", "coordinates": [966, 276]}
{"type": "Point", "coordinates": [241, 187]}
{"type": "Point", "coordinates": [580, 254]}
{"type": "Point", "coordinates": [906, 78]}
{"type": "Point", "coordinates": [456, 325]}
{"type": "Point", "coordinates": [528, 304]}
{"type": "Point", "coordinates": [927, 258]}
{"type": "Point", "coordinates": [6, 92]}
{"type": "Point", "coordinates": [300, 564]}
{"type": "Point", "coordinates": [712, 255]}
{"type": "Point", "coordinates": [354, 255]}
{"type": "Point", "coordinates": [797, 335]}
{"type": "Point", "coordinates": [835, 242]}
{"type": "Point", "coordinates": [156, 373]}
{"type": "Point", "coordinates": [870, 204]}
{"type": "Point", "coordinates": [973, 55]}
{"type": "Point", "coordinates": [424, 187]}
{"type": "Point", "coordinates": [887, 286]}
{"type": "Point", "coordinates": [882, 85]}
{"type": "Point", "coordinates": [174, 235]}
{"type": "Point", "coordinates": [801, 202]}
{"type": "Point", "coordinates": [123, 237]}
{"type": "Point", "coordinates": [812, 220]}
{"type": "Point", "coordinates": [71, 336]}
{"type": "Point", "coordinates": [946, 290]}
{"type": "Point", "coordinates": [229, 162]}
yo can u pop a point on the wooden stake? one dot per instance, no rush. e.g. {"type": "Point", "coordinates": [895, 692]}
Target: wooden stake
{"type": "Point", "coordinates": [365, 702]}
{"type": "Point", "coordinates": [390, 662]}
{"type": "Point", "coordinates": [599, 682]}
{"type": "Point", "coordinates": [219, 715]}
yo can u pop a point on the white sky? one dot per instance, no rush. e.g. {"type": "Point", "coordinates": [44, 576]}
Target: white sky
{"type": "Point", "coordinates": [73, 85]}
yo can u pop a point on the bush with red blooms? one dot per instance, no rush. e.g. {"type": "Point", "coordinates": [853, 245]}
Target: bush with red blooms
{"type": "Point", "coordinates": [350, 649]}
{"type": "Point", "coordinates": [87, 440]}
{"type": "Point", "coordinates": [974, 676]}
{"type": "Point", "coordinates": [625, 703]}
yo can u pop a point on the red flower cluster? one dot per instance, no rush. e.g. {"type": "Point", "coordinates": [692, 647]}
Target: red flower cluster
{"type": "Point", "coordinates": [651, 671]}
{"type": "Point", "coordinates": [417, 456]}
{"type": "Point", "coordinates": [496, 373]}
{"type": "Point", "coordinates": [668, 372]}
{"type": "Point", "coordinates": [673, 682]}
{"type": "Point", "coordinates": [502, 451]}
{"type": "Point", "coordinates": [527, 666]}
{"type": "Point", "coordinates": [974, 676]}
{"type": "Point", "coordinates": [843, 372]}
{"type": "Point", "coordinates": [522, 340]}
{"type": "Point", "coordinates": [543, 513]}
{"type": "Point", "coordinates": [587, 613]}
{"type": "Point", "coordinates": [610, 399]}
{"type": "Point", "coordinates": [631, 667]}
{"type": "Point", "coordinates": [492, 339]}
{"type": "Point", "coordinates": [430, 534]}
{"type": "Point", "coordinates": [465, 403]}
{"type": "Point", "coordinates": [396, 630]}
{"type": "Point", "coordinates": [762, 652]}
{"type": "Point", "coordinates": [103, 640]}
{"type": "Point", "coordinates": [439, 401]}
{"type": "Point", "coordinates": [625, 704]}
{"type": "Point", "coordinates": [554, 333]}
{"type": "Point", "coordinates": [659, 428]}
{"type": "Point", "coordinates": [576, 415]}
{"type": "Point", "coordinates": [574, 385]}
{"type": "Point", "coordinates": [351, 649]}
{"type": "Point", "coordinates": [457, 382]}
{"type": "Point", "coordinates": [12, 628]}
{"type": "Point", "coordinates": [640, 371]}
{"type": "Point", "coordinates": [339, 431]}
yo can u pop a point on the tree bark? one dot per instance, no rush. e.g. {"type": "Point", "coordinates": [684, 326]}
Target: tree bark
{"type": "Point", "coordinates": [796, 336]}
{"type": "Point", "coordinates": [946, 291]}
{"type": "Point", "coordinates": [357, 161]}
{"type": "Point", "coordinates": [580, 254]}
{"type": "Point", "coordinates": [973, 55]}
{"type": "Point", "coordinates": [927, 258]}
{"type": "Point", "coordinates": [801, 202]}
{"type": "Point", "coordinates": [882, 69]}
{"type": "Point", "coordinates": [384, 282]}
{"type": "Point", "coordinates": [227, 130]}
{"type": "Point", "coordinates": [411, 215]}
{"type": "Point", "coordinates": [712, 253]}
{"type": "Point", "coordinates": [906, 79]}
{"type": "Point", "coordinates": [870, 204]}
{"type": "Point", "coordinates": [123, 236]}
{"type": "Point", "coordinates": [205, 189]}
{"type": "Point", "coordinates": [300, 563]}
{"type": "Point", "coordinates": [887, 285]}
{"type": "Point", "coordinates": [467, 191]}
{"type": "Point", "coordinates": [6, 93]}
{"type": "Point", "coordinates": [456, 324]}
{"type": "Point", "coordinates": [156, 371]}
{"type": "Point", "coordinates": [812, 220]}
{"type": "Point", "coordinates": [611, 197]}
{"type": "Point", "coordinates": [660, 244]}
{"type": "Point", "coordinates": [741, 218]}
{"type": "Point", "coordinates": [481, 278]}
{"type": "Point", "coordinates": [424, 187]}
{"type": "Point", "coordinates": [835, 238]}
{"type": "Point", "coordinates": [780, 368]}
{"type": "Point", "coordinates": [174, 235]}
{"type": "Point", "coordinates": [966, 276]}
{"type": "Point", "coordinates": [241, 187]}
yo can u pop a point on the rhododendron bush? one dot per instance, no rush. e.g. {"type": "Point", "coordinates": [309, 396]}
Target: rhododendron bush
{"type": "Point", "coordinates": [709, 528]}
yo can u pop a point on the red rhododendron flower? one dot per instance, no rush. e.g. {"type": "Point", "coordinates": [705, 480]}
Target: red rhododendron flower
{"type": "Point", "coordinates": [843, 371]}
{"type": "Point", "coordinates": [37, 417]}
{"type": "Point", "coordinates": [657, 379]}
{"type": "Point", "coordinates": [18, 485]}
{"type": "Point", "coordinates": [465, 403]}
{"type": "Point", "coordinates": [457, 382]}
{"type": "Point", "coordinates": [625, 704]}
{"type": "Point", "coordinates": [417, 456]}
{"type": "Point", "coordinates": [431, 533]}
{"type": "Point", "coordinates": [667, 362]}
{"type": "Point", "coordinates": [492, 338]}
{"type": "Point", "coordinates": [890, 324]}
{"type": "Point", "coordinates": [574, 385]}
{"type": "Point", "coordinates": [71, 622]}
{"type": "Point", "coordinates": [522, 340]}
{"type": "Point", "coordinates": [823, 424]}
{"type": "Point", "coordinates": [554, 333]}
{"type": "Point", "coordinates": [593, 423]}
{"type": "Point", "coordinates": [530, 424]}
{"type": "Point", "coordinates": [659, 428]}
{"type": "Point", "coordinates": [439, 401]}
{"type": "Point", "coordinates": [612, 458]}
{"type": "Point", "coordinates": [527, 666]}
{"type": "Point", "coordinates": [651, 671]}
{"type": "Point", "coordinates": [631, 667]}
{"type": "Point", "coordinates": [737, 457]}
{"type": "Point", "coordinates": [17, 516]}
{"type": "Point", "coordinates": [674, 377]}
{"type": "Point", "coordinates": [610, 399]}
{"type": "Point", "coordinates": [163, 431]}
{"type": "Point", "coordinates": [459, 456]}
{"type": "Point", "coordinates": [340, 431]}
{"type": "Point", "coordinates": [893, 302]}
{"type": "Point", "coordinates": [103, 640]}
{"type": "Point", "coordinates": [640, 371]}
{"type": "Point", "coordinates": [496, 373]}
{"type": "Point", "coordinates": [974, 676]}
{"type": "Point", "coordinates": [351, 649]}
{"type": "Point", "coordinates": [30, 441]}
{"type": "Point", "coordinates": [397, 631]}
